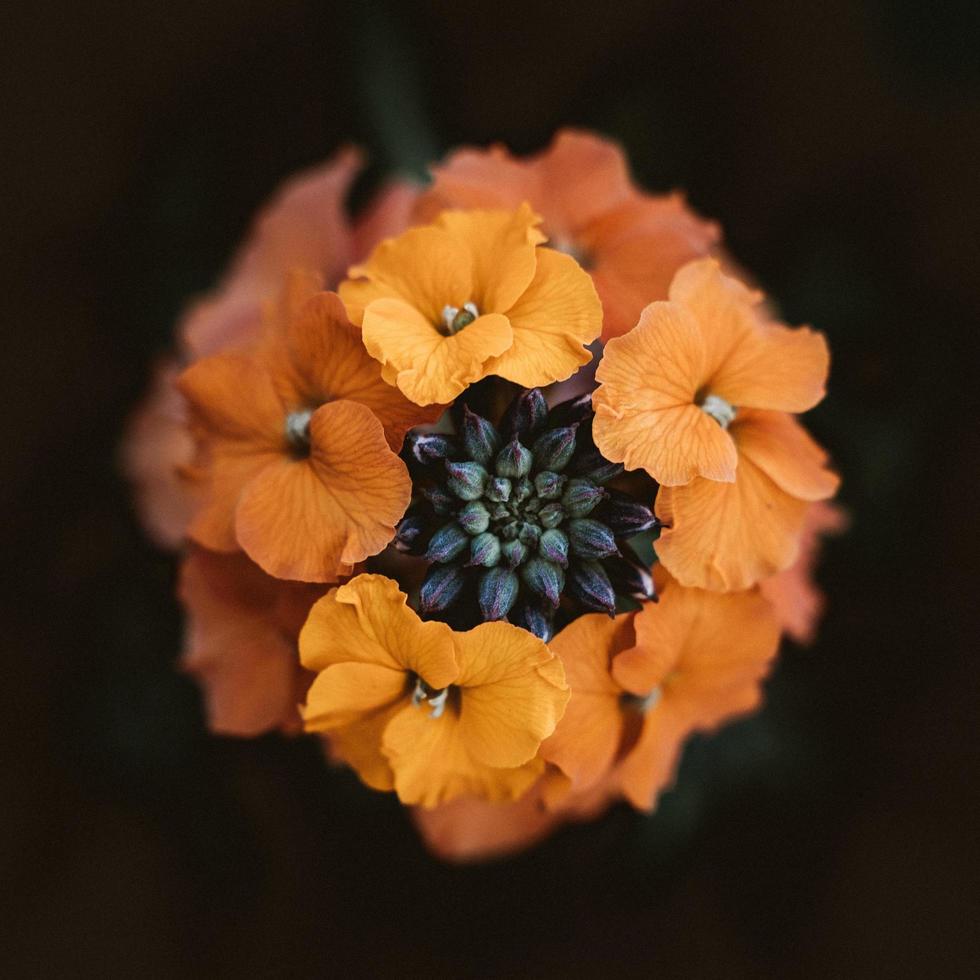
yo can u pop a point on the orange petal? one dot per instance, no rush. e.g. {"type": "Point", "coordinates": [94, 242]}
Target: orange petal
{"type": "Point", "coordinates": [651, 766]}
{"type": "Point", "coordinates": [427, 366]}
{"type": "Point", "coordinates": [552, 322]}
{"type": "Point", "coordinates": [513, 693]}
{"type": "Point", "coordinates": [307, 519]}
{"type": "Point", "coordinates": [330, 363]}
{"type": "Point", "coordinates": [359, 745]}
{"type": "Point", "coordinates": [645, 411]}
{"type": "Point", "coordinates": [727, 536]}
{"type": "Point", "coordinates": [425, 267]}
{"type": "Point", "coordinates": [502, 254]}
{"type": "Point", "coordinates": [344, 692]}
{"type": "Point", "coordinates": [786, 453]}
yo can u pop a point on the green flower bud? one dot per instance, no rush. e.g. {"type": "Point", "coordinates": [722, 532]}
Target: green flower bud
{"type": "Point", "coordinates": [590, 539]}
{"type": "Point", "coordinates": [544, 578]}
{"type": "Point", "coordinates": [581, 496]}
{"type": "Point", "coordinates": [466, 480]}
{"type": "Point", "coordinates": [513, 460]}
{"type": "Point", "coordinates": [549, 485]}
{"type": "Point", "coordinates": [553, 546]}
{"type": "Point", "coordinates": [553, 449]}
{"type": "Point", "coordinates": [513, 552]}
{"type": "Point", "coordinates": [485, 550]}
{"type": "Point", "coordinates": [447, 543]}
{"type": "Point", "coordinates": [497, 592]}
{"type": "Point", "coordinates": [474, 517]}
{"type": "Point", "coordinates": [551, 515]}
{"type": "Point", "coordinates": [480, 438]}
{"type": "Point", "coordinates": [498, 489]}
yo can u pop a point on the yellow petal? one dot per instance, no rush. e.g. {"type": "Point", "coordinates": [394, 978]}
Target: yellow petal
{"type": "Point", "coordinates": [343, 692]}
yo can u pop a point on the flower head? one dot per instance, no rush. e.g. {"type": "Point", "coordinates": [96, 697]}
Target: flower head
{"type": "Point", "coordinates": [517, 518]}
{"type": "Point", "coordinates": [471, 295]}
{"type": "Point", "coordinates": [296, 441]}
{"type": "Point", "coordinates": [416, 707]}
{"type": "Point", "coordinates": [640, 688]}
{"type": "Point", "coordinates": [630, 241]}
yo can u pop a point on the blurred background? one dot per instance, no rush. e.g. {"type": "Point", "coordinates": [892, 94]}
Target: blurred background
{"type": "Point", "coordinates": [832, 835]}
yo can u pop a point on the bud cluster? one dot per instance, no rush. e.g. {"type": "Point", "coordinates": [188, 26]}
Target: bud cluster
{"type": "Point", "coordinates": [518, 520]}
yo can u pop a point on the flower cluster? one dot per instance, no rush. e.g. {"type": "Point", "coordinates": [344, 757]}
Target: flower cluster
{"type": "Point", "coordinates": [499, 488]}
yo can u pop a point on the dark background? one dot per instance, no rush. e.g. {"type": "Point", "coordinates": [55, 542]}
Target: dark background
{"type": "Point", "coordinates": [832, 835]}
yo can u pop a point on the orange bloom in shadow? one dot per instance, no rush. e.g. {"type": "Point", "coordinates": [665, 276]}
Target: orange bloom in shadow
{"type": "Point", "coordinates": [631, 242]}
{"type": "Point", "coordinates": [792, 593]}
{"type": "Point", "coordinates": [471, 295]}
{"type": "Point", "coordinates": [728, 536]}
{"type": "Point", "coordinates": [296, 441]}
{"type": "Point", "coordinates": [698, 660]}
{"type": "Point", "coordinates": [241, 642]}
{"type": "Point", "coordinates": [670, 389]}
{"type": "Point", "coordinates": [413, 706]}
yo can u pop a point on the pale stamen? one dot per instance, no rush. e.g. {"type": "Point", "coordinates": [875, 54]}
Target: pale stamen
{"type": "Point", "coordinates": [455, 317]}
{"type": "Point", "coordinates": [437, 699]}
{"type": "Point", "coordinates": [721, 411]}
{"type": "Point", "coordinates": [298, 429]}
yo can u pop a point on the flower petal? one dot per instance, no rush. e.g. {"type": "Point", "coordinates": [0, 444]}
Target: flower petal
{"type": "Point", "coordinates": [343, 692]}
{"type": "Point", "coordinates": [308, 519]}
{"type": "Point", "coordinates": [426, 365]}
{"type": "Point", "coordinates": [553, 320]}
{"type": "Point", "coordinates": [645, 411]}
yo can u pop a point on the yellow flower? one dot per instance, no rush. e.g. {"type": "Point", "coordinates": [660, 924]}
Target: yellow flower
{"type": "Point", "coordinates": [416, 707]}
{"type": "Point", "coordinates": [470, 295]}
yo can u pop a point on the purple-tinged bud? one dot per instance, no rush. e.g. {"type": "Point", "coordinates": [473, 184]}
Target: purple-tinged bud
{"type": "Point", "coordinates": [553, 450]}
{"type": "Point", "coordinates": [430, 447]}
{"type": "Point", "coordinates": [591, 464]}
{"type": "Point", "coordinates": [553, 546]}
{"type": "Point", "coordinates": [510, 529]}
{"type": "Point", "coordinates": [523, 489]}
{"type": "Point", "coordinates": [447, 543]}
{"type": "Point", "coordinates": [590, 539]}
{"type": "Point", "coordinates": [525, 414]}
{"type": "Point", "coordinates": [474, 518]}
{"type": "Point", "coordinates": [629, 576]}
{"type": "Point", "coordinates": [442, 502]}
{"type": "Point", "coordinates": [410, 534]}
{"type": "Point", "coordinates": [551, 515]}
{"type": "Point", "coordinates": [535, 620]}
{"type": "Point", "coordinates": [498, 489]}
{"type": "Point", "coordinates": [513, 461]}
{"type": "Point", "coordinates": [485, 550]}
{"type": "Point", "coordinates": [581, 496]}
{"type": "Point", "coordinates": [544, 578]}
{"type": "Point", "coordinates": [513, 552]}
{"type": "Point", "coordinates": [529, 534]}
{"type": "Point", "coordinates": [573, 410]}
{"type": "Point", "coordinates": [589, 583]}
{"type": "Point", "coordinates": [497, 592]}
{"type": "Point", "coordinates": [480, 438]}
{"type": "Point", "coordinates": [625, 516]}
{"type": "Point", "coordinates": [441, 588]}
{"type": "Point", "coordinates": [499, 512]}
{"type": "Point", "coordinates": [466, 480]}
{"type": "Point", "coordinates": [549, 485]}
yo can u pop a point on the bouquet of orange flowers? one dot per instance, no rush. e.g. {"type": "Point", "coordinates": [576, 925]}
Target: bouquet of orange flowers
{"type": "Point", "coordinates": [498, 489]}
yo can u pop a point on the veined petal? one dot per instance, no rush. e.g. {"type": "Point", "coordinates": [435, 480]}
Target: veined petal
{"type": "Point", "coordinates": [306, 519]}
{"type": "Point", "coordinates": [553, 320]}
{"type": "Point", "coordinates": [427, 366]}
{"type": "Point", "coordinates": [786, 453]}
{"type": "Point", "coordinates": [343, 692]}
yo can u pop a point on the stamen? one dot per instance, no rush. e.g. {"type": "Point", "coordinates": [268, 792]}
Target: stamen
{"type": "Point", "coordinates": [456, 318]}
{"type": "Point", "coordinates": [721, 411]}
{"type": "Point", "coordinates": [437, 699]}
{"type": "Point", "coordinates": [298, 430]}
{"type": "Point", "coordinates": [641, 704]}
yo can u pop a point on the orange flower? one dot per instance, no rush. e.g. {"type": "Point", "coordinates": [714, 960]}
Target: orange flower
{"type": "Point", "coordinates": [669, 390]}
{"type": "Point", "coordinates": [296, 441]}
{"type": "Point", "coordinates": [471, 295]}
{"type": "Point", "coordinates": [792, 593]}
{"type": "Point", "coordinates": [697, 661]}
{"type": "Point", "coordinates": [631, 242]}
{"type": "Point", "coordinates": [728, 536]}
{"type": "Point", "coordinates": [416, 707]}
{"type": "Point", "coordinates": [240, 645]}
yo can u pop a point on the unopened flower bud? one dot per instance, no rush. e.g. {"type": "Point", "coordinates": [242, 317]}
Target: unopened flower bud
{"type": "Point", "coordinates": [574, 410]}
{"type": "Point", "coordinates": [474, 518]}
{"type": "Point", "coordinates": [549, 485]}
{"type": "Point", "coordinates": [498, 489]}
{"type": "Point", "coordinates": [591, 464]}
{"type": "Point", "coordinates": [544, 578]}
{"type": "Point", "coordinates": [466, 480]}
{"type": "Point", "coordinates": [553, 546]}
{"type": "Point", "coordinates": [629, 576]}
{"type": "Point", "coordinates": [551, 515]}
{"type": "Point", "coordinates": [441, 588]}
{"type": "Point", "coordinates": [480, 438]}
{"type": "Point", "coordinates": [513, 461]}
{"type": "Point", "coordinates": [590, 538]}
{"type": "Point", "coordinates": [525, 415]}
{"type": "Point", "coordinates": [513, 552]}
{"type": "Point", "coordinates": [485, 550]}
{"type": "Point", "coordinates": [553, 449]}
{"type": "Point", "coordinates": [589, 583]}
{"type": "Point", "coordinates": [410, 534]}
{"type": "Point", "coordinates": [497, 592]}
{"type": "Point", "coordinates": [523, 489]}
{"type": "Point", "coordinates": [534, 619]}
{"type": "Point", "coordinates": [581, 496]}
{"type": "Point", "coordinates": [442, 502]}
{"type": "Point", "coordinates": [625, 516]}
{"type": "Point", "coordinates": [447, 543]}
{"type": "Point", "coordinates": [430, 447]}
{"type": "Point", "coordinates": [529, 534]}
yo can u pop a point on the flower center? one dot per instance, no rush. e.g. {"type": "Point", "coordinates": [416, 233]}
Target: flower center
{"type": "Point", "coordinates": [641, 704]}
{"type": "Point", "coordinates": [436, 699]}
{"type": "Point", "coordinates": [457, 317]}
{"type": "Point", "coordinates": [721, 411]}
{"type": "Point", "coordinates": [298, 431]}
